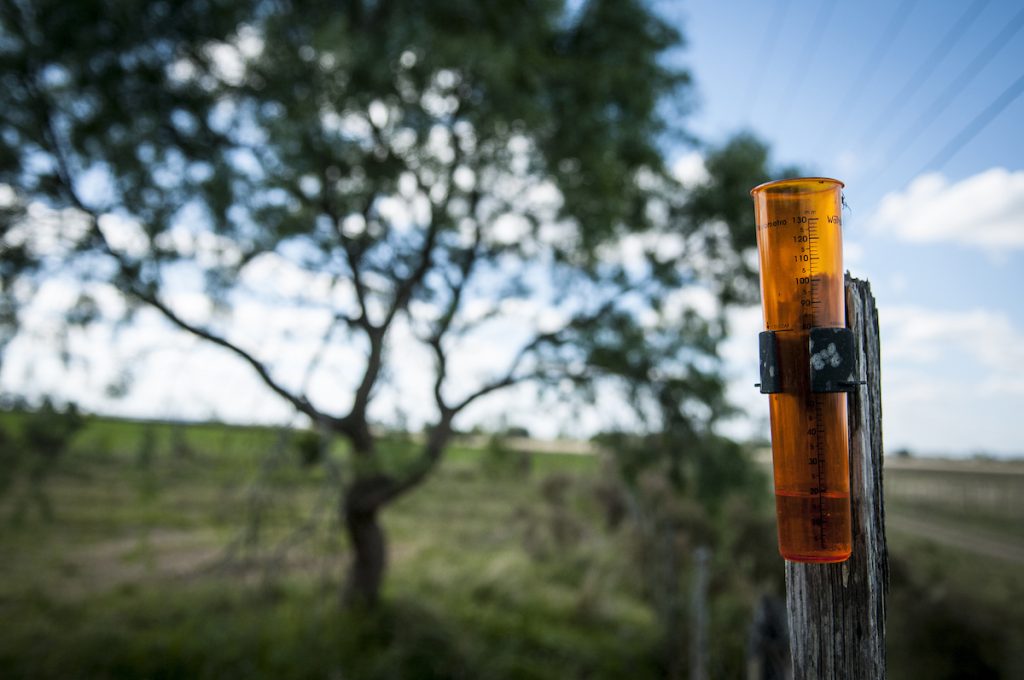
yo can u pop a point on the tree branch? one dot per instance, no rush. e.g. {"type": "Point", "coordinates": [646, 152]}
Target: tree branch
{"type": "Point", "coordinates": [299, 402]}
{"type": "Point", "coordinates": [351, 255]}
{"type": "Point", "coordinates": [374, 491]}
{"type": "Point", "coordinates": [442, 373]}
{"type": "Point", "coordinates": [134, 289]}
{"type": "Point", "coordinates": [386, 488]}
{"type": "Point", "coordinates": [67, 180]}
{"type": "Point", "coordinates": [404, 290]}
{"type": "Point", "coordinates": [407, 286]}
{"type": "Point", "coordinates": [509, 378]}
{"type": "Point", "coordinates": [355, 424]}
{"type": "Point", "coordinates": [436, 340]}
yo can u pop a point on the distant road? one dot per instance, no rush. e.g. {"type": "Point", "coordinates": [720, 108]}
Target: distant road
{"type": "Point", "coordinates": [953, 537]}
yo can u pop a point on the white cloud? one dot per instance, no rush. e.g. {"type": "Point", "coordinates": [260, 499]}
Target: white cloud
{"type": "Point", "coordinates": [952, 380]}
{"type": "Point", "coordinates": [739, 352]}
{"type": "Point", "coordinates": [631, 250]}
{"type": "Point", "coordinates": [274, 276]}
{"type": "Point", "coordinates": [249, 42]}
{"type": "Point", "coordinates": [510, 228]}
{"type": "Point", "coordinates": [695, 298]}
{"type": "Point", "coordinates": [916, 335]}
{"type": "Point", "coordinates": [124, 235]}
{"type": "Point", "coordinates": [984, 211]}
{"type": "Point", "coordinates": [8, 196]}
{"type": "Point", "coordinates": [46, 232]}
{"type": "Point", "coordinates": [228, 62]}
{"type": "Point", "coordinates": [176, 375]}
{"type": "Point", "coordinates": [853, 253]}
{"type": "Point", "coordinates": [689, 169]}
{"type": "Point", "coordinates": [230, 59]}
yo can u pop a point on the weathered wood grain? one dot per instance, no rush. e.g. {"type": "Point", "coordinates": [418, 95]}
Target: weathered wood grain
{"type": "Point", "coordinates": [837, 611]}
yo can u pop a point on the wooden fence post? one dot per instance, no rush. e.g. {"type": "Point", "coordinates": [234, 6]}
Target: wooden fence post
{"type": "Point", "coordinates": [699, 615]}
{"type": "Point", "coordinates": [837, 611]}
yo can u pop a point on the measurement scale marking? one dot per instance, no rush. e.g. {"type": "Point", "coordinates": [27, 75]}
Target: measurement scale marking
{"type": "Point", "coordinates": [818, 435]}
{"type": "Point", "coordinates": [818, 440]}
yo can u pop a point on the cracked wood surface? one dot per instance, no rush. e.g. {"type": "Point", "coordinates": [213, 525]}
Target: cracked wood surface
{"type": "Point", "coordinates": [837, 611]}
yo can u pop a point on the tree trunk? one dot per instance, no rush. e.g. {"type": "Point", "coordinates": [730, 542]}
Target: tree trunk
{"type": "Point", "coordinates": [369, 551]}
{"type": "Point", "coordinates": [361, 506]}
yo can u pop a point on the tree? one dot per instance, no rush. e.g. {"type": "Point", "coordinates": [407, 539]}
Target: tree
{"type": "Point", "coordinates": [415, 165]}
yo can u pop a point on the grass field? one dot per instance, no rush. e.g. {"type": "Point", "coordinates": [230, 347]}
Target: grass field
{"type": "Point", "coordinates": [209, 551]}
{"type": "Point", "coordinates": [981, 497]}
{"type": "Point", "coordinates": [956, 531]}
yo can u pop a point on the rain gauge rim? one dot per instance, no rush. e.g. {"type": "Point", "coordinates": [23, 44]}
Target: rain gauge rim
{"type": "Point", "coordinates": [797, 186]}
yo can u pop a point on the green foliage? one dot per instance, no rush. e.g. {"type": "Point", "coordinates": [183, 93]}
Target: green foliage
{"type": "Point", "coordinates": [99, 594]}
{"type": "Point", "coordinates": [30, 452]}
{"type": "Point", "coordinates": [709, 469]}
{"type": "Point", "coordinates": [481, 585]}
{"type": "Point", "coordinates": [216, 134]}
{"type": "Point", "coordinates": [954, 616]}
{"type": "Point", "coordinates": [678, 495]}
{"type": "Point", "coordinates": [237, 109]}
{"type": "Point", "coordinates": [47, 430]}
{"type": "Point", "coordinates": [518, 431]}
{"type": "Point", "coordinates": [500, 460]}
{"type": "Point", "coordinates": [733, 170]}
{"type": "Point", "coordinates": [399, 160]}
{"type": "Point", "coordinates": [309, 445]}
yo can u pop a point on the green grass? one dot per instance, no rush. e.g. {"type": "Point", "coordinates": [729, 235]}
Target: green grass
{"type": "Point", "coordinates": [953, 614]}
{"type": "Point", "coordinates": [209, 551]}
{"type": "Point", "coordinates": [154, 566]}
{"type": "Point", "coordinates": [986, 502]}
{"type": "Point", "coordinates": [978, 521]}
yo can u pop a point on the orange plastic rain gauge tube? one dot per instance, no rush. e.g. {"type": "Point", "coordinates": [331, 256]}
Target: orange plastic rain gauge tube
{"type": "Point", "coordinates": [799, 242]}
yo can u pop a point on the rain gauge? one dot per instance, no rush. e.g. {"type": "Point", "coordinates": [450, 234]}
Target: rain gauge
{"type": "Point", "coordinates": [807, 363]}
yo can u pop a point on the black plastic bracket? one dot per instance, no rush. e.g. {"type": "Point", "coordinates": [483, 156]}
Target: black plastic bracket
{"type": "Point", "coordinates": [833, 360]}
{"type": "Point", "coordinates": [768, 351]}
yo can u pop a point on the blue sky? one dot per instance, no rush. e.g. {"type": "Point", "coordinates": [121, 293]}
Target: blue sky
{"type": "Point", "coordinates": [946, 261]}
{"type": "Point", "coordinates": [941, 243]}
